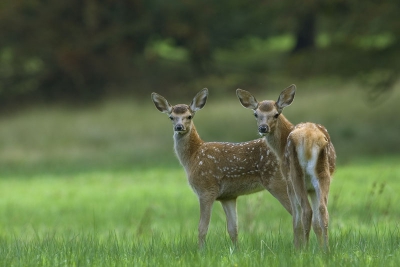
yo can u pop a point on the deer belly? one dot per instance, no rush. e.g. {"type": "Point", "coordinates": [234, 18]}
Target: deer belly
{"type": "Point", "coordinates": [232, 188]}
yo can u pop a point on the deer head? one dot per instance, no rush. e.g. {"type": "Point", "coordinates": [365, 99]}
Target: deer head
{"type": "Point", "coordinates": [181, 115]}
{"type": "Point", "coordinates": [267, 112]}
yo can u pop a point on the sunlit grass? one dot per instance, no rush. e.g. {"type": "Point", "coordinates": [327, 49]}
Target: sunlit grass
{"type": "Point", "coordinates": [149, 217]}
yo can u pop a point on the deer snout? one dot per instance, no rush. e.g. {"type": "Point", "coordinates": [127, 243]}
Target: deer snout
{"type": "Point", "coordinates": [263, 129]}
{"type": "Point", "coordinates": [179, 128]}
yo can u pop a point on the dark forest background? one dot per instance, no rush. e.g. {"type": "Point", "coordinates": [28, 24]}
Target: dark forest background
{"type": "Point", "coordinates": [85, 50]}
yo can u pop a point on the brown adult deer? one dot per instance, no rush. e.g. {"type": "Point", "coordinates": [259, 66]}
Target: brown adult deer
{"type": "Point", "coordinates": [219, 171]}
{"type": "Point", "coordinates": [307, 159]}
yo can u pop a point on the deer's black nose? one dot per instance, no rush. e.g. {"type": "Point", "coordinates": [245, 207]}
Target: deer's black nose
{"type": "Point", "coordinates": [263, 129]}
{"type": "Point", "coordinates": [179, 127]}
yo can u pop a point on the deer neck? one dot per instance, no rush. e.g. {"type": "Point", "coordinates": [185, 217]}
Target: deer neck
{"type": "Point", "coordinates": [186, 145]}
{"type": "Point", "coordinates": [278, 138]}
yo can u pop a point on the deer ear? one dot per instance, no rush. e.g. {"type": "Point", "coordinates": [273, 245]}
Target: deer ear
{"type": "Point", "coordinates": [247, 99]}
{"type": "Point", "coordinates": [286, 97]}
{"type": "Point", "coordinates": [161, 103]}
{"type": "Point", "coordinates": [199, 100]}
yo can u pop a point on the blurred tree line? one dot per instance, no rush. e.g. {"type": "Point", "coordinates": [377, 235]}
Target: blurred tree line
{"type": "Point", "coordinates": [85, 49]}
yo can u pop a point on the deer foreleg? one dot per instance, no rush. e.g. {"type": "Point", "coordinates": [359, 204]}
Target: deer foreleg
{"type": "Point", "coordinates": [205, 216]}
{"type": "Point", "coordinates": [231, 219]}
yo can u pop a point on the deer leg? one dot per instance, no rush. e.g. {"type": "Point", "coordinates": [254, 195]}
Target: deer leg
{"type": "Point", "coordinates": [300, 191]}
{"type": "Point", "coordinates": [231, 219]}
{"type": "Point", "coordinates": [278, 188]}
{"type": "Point", "coordinates": [316, 218]}
{"type": "Point", "coordinates": [297, 179]}
{"type": "Point", "coordinates": [319, 201]}
{"type": "Point", "coordinates": [323, 208]}
{"type": "Point", "coordinates": [296, 217]}
{"type": "Point", "coordinates": [306, 217]}
{"type": "Point", "coordinates": [205, 216]}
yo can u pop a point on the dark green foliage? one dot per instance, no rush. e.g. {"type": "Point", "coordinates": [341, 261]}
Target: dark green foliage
{"type": "Point", "coordinates": [83, 50]}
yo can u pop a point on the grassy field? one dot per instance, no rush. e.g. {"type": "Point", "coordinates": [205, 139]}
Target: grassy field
{"type": "Point", "coordinates": [100, 186]}
{"type": "Point", "coordinates": [149, 217]}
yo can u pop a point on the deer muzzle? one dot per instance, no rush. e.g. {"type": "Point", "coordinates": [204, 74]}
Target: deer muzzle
{"type": "Point", "coordinates": [179, 128]}
{"type": "Point", "coordinates": [263, 129]}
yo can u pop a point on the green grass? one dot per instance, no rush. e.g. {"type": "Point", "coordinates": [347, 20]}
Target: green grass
{"type": "Point", "coordinates": [149, 217]}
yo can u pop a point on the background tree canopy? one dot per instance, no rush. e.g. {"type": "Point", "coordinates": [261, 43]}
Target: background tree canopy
{"type": "Point", "coordinates": [84, 50]}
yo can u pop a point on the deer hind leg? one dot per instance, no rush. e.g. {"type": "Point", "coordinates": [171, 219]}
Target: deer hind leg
{"type": "Point", "coordinates": [205, 216]}
{"type": "Point", "coordinates": [306, 217]}
{"type": "Point", "coordinates": [316, 218]}
{"type": "Point", "coordinates": [231, 219]}
{"type": "Point", "coordinates": [320, 206]}
{"type": "Point", "coordinates": [296, 217]}
{"type": "Point", "coordinates": [299, 190]}
{"type": "Point", "coordinates": [323, 208]}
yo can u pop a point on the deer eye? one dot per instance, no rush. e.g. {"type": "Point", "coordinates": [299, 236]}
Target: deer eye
{"type": "Point", "coordinates": [171, 118]}
{"type": "Point", "coordinates": [276, 115]}
{"type": "Point", "coordinates": [255, 115]}
{"type": "Point", "coordinates": [189, 117]}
